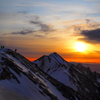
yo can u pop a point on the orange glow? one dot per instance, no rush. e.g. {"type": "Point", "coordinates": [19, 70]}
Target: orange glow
{"type": "Point", "coordinates": [31, 59]}
{"type": "Point", "coordinates": [80, 60]}
{"type": "Point", "coordinates": [83, 60]}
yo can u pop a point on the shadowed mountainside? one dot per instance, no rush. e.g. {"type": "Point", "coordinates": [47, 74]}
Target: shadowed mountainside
{"type": "Point", "coordinates": [48, 78]}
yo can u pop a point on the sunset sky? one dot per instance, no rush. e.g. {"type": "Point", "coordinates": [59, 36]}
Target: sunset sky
{"type": "Point", "coordinates": [41, 27]}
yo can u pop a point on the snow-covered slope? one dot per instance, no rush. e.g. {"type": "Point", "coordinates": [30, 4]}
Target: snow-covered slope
{"type": "Point", "coordinates": [20, 80]}
{"type": "Point", "coordinates": [79, 78]}
{"type": "Point", "coordinates": [48, 78]}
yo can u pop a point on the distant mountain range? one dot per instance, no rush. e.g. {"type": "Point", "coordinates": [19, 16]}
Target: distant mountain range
{"type": "Point", "coordinates": [47, 78]}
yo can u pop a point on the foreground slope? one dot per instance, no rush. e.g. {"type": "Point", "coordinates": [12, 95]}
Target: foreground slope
{"type": "Point", "coordinates": [20, 79]}
{"type": "Point", "coordinates": [84, 83]}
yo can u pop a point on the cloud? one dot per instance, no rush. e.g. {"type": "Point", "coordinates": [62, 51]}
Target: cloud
{"type": "Point", "coordinates": [88, 25]}
{"type": "Point", "coordinates": [24, 32]}
{"type": "Point", "coordinates": [91, 35]}
{"type": "Point", "coordinates": [43, 27]}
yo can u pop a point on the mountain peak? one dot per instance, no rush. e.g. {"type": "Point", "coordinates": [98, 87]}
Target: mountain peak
{"type": "Point", "coordinates": [54, 54]}
{"type": "Point", "coordinates": [56, 57]}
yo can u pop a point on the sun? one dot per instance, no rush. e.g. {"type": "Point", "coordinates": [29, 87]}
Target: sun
{"type": "Point", "coordinates": [79, 46]}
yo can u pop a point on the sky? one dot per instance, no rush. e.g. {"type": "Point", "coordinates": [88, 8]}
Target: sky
{"type": "Point", "coordinates": [41, 27]}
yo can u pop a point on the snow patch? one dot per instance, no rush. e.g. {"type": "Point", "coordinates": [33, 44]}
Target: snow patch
{"type": "Point", "coordinates": [17, 62]}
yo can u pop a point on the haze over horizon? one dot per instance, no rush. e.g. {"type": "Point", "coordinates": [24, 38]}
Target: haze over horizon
{"type": "Point", "coordinates": [37, 28]}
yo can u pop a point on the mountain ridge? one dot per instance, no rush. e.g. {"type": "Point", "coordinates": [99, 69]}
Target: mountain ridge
{"type": "Point", "coordinates": [69, 74]}
{"type": "Point", "coordinates": [47, 78]}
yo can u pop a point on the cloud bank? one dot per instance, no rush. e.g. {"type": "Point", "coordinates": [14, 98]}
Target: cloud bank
{"type": "Point", "coordinates": [91, 35]}
{"type": "Point", "coordinates": [24, 32]}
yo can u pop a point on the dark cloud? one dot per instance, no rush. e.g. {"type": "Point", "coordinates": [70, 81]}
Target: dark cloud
{"type": "Point", "coordinates": [35, 22]}
{"type": "Point", "coordinates": [91, 35]}
{"type": "Point", "coordinates": [24, 32]}
{"type": "Point", "coordinates": [89, 24]}
{"type": "Point", "coordinates": [44, 27]}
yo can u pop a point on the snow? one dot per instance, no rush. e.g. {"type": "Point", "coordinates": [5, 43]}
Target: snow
{"type": "Point", "coordinates": [17, 62]}
{"type": "Point", "coordinates": [63, 76]}
{"type": "Point", "coordinates": [54, 91]}
{"type": "Point", "coordinates": [32, 90]}
{"type": "Point", "coordinates": [57, 58]}
{"type": "Point", "coordinates": [57, 68]}
{"type": "Point", "coordinates": [6, 94]}
{"type": "Point", "coordinates": [53, 64]}
{"type": "Point", "coordinates": [41, 80]}
{"type": "Point", "coordinates": [25, 90]}
{"type": "Point", "coordinates": [13, 89]}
